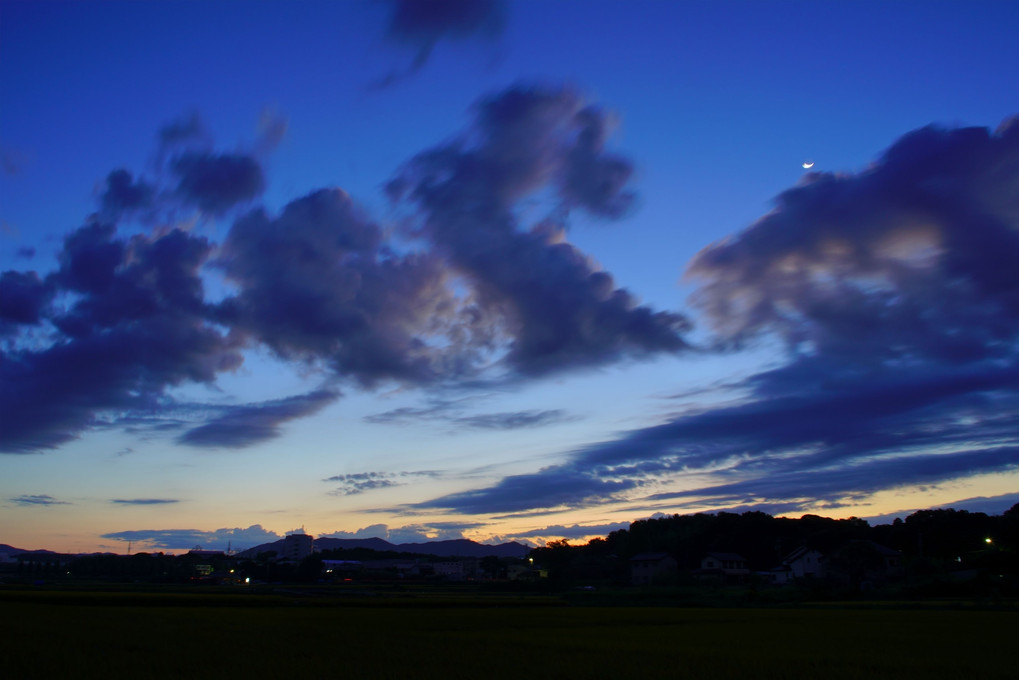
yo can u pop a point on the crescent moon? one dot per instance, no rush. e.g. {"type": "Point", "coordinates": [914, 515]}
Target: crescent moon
{"type": "Point", "coordinates": [808, 165]}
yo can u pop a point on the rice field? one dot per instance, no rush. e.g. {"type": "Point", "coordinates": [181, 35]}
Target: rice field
{"type": "Point", "coordinates": [180, 635]}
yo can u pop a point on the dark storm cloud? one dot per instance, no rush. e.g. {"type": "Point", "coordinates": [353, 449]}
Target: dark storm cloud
{"type": "Point", "coordinates": [422, 24]}
{"type": "Point", "coordinates": [133, 327]}
{"type": "Point", "coordinates": [213, 181]}
{"type": "Point", "coordinates": [23, 299]}
{"type": "Point", "coordinates": [144, 501]}
{"type": "Point", "coordinates": [122, 318]}
{"type": "Point", "coordinates": [255, 423]}
{"type": "Point", "coordinates": [592, 178]}
{"type": "Point", "coordinates": [317, 284]}
{"type": "Point", "coordinates": [183, 539]}
{"type": "Point", "coordinates": [896, 293]}
{"type": "Point", "coordinates": [910, 259]}
{"type": "Point", "coordinates": [40, 499]}
{"type": "Point", "coordinates": [217, 182]}
{"type": "Point", "coordinates": [123, 193]}
{"type": "Point", "coordinates": [25, 253]}
{"type": "Point", "coordinates": [98, 342]}
{"type": "Point", "coordinates": [558, 308]}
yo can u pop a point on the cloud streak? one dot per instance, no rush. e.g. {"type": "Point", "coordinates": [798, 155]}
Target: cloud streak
{"type": "Point", "coordinates": [353, 484]}
{"type": "Point", "coordinates": [184, 539]}
{"type": "Point", "coordinates": [38, 499]}
{"type": "Point", "coordinates": [144, 501]}
{"type": "Point", "coordinates": [515, 420]}
{"type": "Point", "coordinates": [250, 424]}
{"type": "Point", "coordinates": [453, 412]}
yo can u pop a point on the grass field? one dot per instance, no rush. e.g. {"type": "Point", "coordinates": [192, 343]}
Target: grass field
{"type": "Point", "coordinates": [47, 634]}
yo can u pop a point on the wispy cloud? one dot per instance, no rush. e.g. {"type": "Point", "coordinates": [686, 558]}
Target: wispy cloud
{"type": "Point", "coordinates": [516, 419]}
{"type": "Point", "coordinates": [455, 413]}
{"type": "Point", "coordinates": [40, 499]}
{"type": "Point", "coordinates": [144, 501]}
{"type": "Point", "coordinates": [249, 424]}
{"type": "Point", "coordinates": [359, 482]}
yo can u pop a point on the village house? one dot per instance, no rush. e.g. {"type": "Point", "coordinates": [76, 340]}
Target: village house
{"type": "Point", "coordinates": [804, 562]}
{"type": "Point", "coordinates": [728, 567]}
{"type": "Point", "coordinates": [799, 564]}
{"type": "Point", "coordinates": [868, 560]}
{"type": "Point", "coordinates": [651, 567]}
{"type": "Point", "coordinates": [451, 571]}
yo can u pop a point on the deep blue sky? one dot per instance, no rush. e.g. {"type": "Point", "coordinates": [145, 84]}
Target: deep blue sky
{"type": "Point", "coordinates": [500, 270]}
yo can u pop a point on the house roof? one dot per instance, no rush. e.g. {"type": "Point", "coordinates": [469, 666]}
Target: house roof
{"type": "Point", "coordinates": [885, 550]}
{"type": "Point", "coordinates": [798, 553]}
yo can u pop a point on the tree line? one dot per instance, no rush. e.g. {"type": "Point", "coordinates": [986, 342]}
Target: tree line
{"type": "Point", "coordinates": [930, 541]}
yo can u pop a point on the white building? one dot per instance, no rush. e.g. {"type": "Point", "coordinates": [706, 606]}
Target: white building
{"type": "Point", "coordinates": [296, 546]}
{"type": "Point", "coordinates": [804, 562]}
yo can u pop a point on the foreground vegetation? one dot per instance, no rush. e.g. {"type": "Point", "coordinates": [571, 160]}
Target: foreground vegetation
{"type": "Point", "coordinates": [468, 634]}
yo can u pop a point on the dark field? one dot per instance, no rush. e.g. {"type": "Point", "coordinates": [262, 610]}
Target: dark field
{"type": "Point", "coordinates": [46, 634]}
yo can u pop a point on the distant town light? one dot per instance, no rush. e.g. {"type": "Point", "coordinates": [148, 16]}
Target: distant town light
{"type": "Point", "coordinates": [987, 540]}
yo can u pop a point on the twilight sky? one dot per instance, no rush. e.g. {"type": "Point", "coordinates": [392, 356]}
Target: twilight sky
{"type": "Point", "coordinates": [501, 270]}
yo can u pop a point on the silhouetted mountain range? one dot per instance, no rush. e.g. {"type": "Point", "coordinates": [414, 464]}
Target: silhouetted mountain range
{"type": "Point", "coordinates": [11, 550]}
{"type": "Point", "coordinates": [461, 547]}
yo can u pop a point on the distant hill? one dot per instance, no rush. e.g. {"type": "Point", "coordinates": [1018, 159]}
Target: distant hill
{"type": "Point", "coordinates": [461, 547]}
{"type": "Point", "coordinates": [11, 550]}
